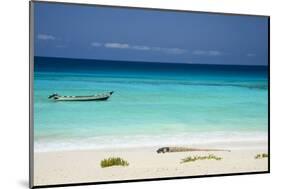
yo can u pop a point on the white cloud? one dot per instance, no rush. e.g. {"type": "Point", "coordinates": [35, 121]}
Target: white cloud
{"type": "Point", "coordinates": [174, 50]}
{"type": "Point", "coordinates": [96, 44]}
{"type": "Point", "coordinates": [177, 50]}
{"type": "Point", "coordinates": [214, 53]}
{"type": "Point", "coordinates": [117, 45]}
{"type": "Point", "coordinates": [139, 47]}
{"type": "Point", "coordinates": [142, 48]}
{"type": "Point", "coordinates": [45, 37]}
{"type": "Point", "coordinates": [207, 53]}
{"type": "Point", "coordinates": [170, 50]}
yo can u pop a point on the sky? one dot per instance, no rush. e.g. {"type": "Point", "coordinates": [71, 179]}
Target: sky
{"type": "Point", "coordinates": [92, 32]}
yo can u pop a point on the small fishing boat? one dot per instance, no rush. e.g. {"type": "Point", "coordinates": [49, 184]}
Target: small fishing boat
{"type": "Point", "coordinates": [97, 97]}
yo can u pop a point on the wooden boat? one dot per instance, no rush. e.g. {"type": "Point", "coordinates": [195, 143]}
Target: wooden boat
{"type": "Point", "coordinates": [97, 97]}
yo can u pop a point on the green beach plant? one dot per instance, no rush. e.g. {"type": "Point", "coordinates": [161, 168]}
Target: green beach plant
{"type": "Point", "coordinates": [113, 161]}
{"type": "Point", "coordinates": [260, 156]}
{"type": "Point", "coordinates": [195, 158]}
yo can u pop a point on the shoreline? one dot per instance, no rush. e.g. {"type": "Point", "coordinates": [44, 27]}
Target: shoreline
{"type": "Point", "coordinates": [238, 145]}
{"type": "Point", "coordinates": [78, 166]}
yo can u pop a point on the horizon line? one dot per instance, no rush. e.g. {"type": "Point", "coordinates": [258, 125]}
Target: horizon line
{"type": "Point", "coordinates": [153, 62]}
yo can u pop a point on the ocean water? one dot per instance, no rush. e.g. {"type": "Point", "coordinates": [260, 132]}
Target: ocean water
{"type": "Point", "coordinates": [154, 104]}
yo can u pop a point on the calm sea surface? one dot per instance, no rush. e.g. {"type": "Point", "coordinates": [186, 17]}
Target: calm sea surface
{"type": "Point", "coordinates": [154, 104]}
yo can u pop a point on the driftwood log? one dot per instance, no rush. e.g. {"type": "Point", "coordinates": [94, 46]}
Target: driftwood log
{"type": "Point", "coordinates": [186, 149]}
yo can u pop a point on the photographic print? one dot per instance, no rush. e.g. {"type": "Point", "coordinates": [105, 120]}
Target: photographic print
{"type": "Point", "coordinates": [128, 94]}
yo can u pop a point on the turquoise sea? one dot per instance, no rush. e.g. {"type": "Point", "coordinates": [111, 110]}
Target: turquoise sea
{"type": "Point", "coordinates": [154, 104]}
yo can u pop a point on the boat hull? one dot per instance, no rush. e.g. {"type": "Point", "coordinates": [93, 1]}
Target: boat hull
{"type": "Point", "coordinates": [81, 99]}
{"type": "Point", "coordinates": [99, 97]}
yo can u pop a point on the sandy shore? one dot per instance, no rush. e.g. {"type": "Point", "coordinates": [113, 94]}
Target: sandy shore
{"type": "Point", "coordinates": [84, 166]}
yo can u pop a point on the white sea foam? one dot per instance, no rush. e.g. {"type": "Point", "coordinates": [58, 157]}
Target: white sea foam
{"type": "Point", "coordinates": [217, 139]}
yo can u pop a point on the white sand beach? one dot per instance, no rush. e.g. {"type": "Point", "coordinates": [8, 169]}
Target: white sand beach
{"type": "Point", "coordinates": [84, 166]}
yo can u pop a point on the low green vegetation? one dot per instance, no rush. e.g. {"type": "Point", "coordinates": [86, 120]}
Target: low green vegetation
{"type": "Point", "coordinates": [195, 158]}
{"type": "Point", "coordinates": [113, 161]}
{"type": "Point", "coordinates": [260, 156]}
